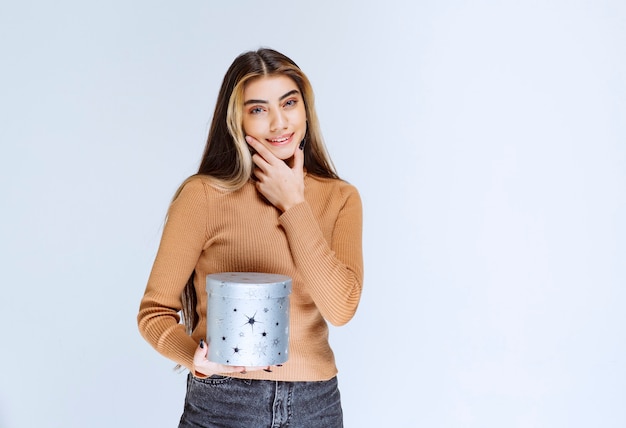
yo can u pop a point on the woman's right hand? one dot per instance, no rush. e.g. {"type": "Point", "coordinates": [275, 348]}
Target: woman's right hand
{"type": "Point", "coordinates": [202, 366]}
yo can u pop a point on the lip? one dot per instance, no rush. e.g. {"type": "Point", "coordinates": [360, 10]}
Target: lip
{"type": "Point", "coordinates": [280, 140]}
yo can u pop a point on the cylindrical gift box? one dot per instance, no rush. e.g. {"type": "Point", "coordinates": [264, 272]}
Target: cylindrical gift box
{"type": "Point", "coordinates": [248, 318]}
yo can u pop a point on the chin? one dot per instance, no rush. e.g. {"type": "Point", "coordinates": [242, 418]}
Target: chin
{"type": "Point", "coordinates": [284, 153]}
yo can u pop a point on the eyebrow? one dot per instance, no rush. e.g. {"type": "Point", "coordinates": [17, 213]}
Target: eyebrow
{"type": "Point", "coordinates": [288, 94]}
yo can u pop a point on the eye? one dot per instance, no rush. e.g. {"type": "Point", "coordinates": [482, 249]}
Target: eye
{"type": "Point", "coordinates": [291, 103]}
{"type": "Point", "coordinates": [256, 110]}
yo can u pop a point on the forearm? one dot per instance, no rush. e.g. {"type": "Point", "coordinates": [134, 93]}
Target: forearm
{"type": "Point", "coordinates": [332, 271]}
{"type": "Point", "coordinates": [159, 326]}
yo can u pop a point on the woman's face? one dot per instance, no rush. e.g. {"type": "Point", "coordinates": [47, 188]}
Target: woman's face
{"type": "Point", "coordinates": [274, 114]}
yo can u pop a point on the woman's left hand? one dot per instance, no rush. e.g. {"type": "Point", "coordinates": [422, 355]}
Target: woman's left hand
{"type": "Point", "coordinates": [281, 184]}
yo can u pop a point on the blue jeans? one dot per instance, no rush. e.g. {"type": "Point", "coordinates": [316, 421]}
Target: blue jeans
{"type": "Point", "coordinates": [220, 401]}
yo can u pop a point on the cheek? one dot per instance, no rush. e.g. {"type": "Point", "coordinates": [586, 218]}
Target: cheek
{"type": "Point", "coordinates": [245, 123]}
{"type": "Point", "coordinates": [299, 118]}
{"type": "Point", "coordinates": [250, 127]}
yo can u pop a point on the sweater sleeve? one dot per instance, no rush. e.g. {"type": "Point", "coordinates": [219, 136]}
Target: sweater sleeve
{"type": "Point", "coordinates": [332, 271]}
{"type": "Point", "coordinates": [184, 236]}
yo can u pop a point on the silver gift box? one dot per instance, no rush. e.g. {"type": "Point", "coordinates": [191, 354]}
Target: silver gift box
{"type": "Point", "coordinates": [248, 318]}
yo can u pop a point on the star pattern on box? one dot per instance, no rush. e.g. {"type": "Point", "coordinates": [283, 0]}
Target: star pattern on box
{"type": "Point", "coordinates": [248, 314]}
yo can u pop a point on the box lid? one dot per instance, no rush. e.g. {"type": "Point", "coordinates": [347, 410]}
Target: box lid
{"type": "Point", "coordinates": [248, 285]}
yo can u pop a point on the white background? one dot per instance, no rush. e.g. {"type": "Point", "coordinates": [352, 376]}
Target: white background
{"type": "Point", "coordinates": [488, 141]}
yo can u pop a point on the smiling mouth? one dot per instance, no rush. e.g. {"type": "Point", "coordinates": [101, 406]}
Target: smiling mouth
{"type": "Point", "coordinates": [279, 141]}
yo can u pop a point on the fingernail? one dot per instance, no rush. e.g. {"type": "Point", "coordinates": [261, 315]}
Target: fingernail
{"type": "Point", "coordinates": [302, 143]}
{"type": "Point", "coordinates": [279, 365]}
{"type": "Point", "coordinates": [202, 343]}
{"type": "Point", "coordinates": [267, 370]}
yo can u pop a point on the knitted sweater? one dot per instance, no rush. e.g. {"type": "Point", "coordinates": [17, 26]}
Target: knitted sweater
{"type": "Point", "coordinates": [317, 243]}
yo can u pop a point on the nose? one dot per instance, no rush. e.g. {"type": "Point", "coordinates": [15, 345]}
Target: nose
{"type": "Point", "coordinates": [278, 120]}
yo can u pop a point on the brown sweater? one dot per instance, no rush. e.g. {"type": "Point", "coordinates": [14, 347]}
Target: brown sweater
{"type": "Point", "coordinates": [317, 243]}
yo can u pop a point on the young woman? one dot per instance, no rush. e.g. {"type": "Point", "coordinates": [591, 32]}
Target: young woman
{"type": "Point", "coordinates": [267, 199]}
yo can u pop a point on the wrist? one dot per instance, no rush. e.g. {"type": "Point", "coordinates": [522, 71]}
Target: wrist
{"type": "Point", "coordinates": [291, 204]}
